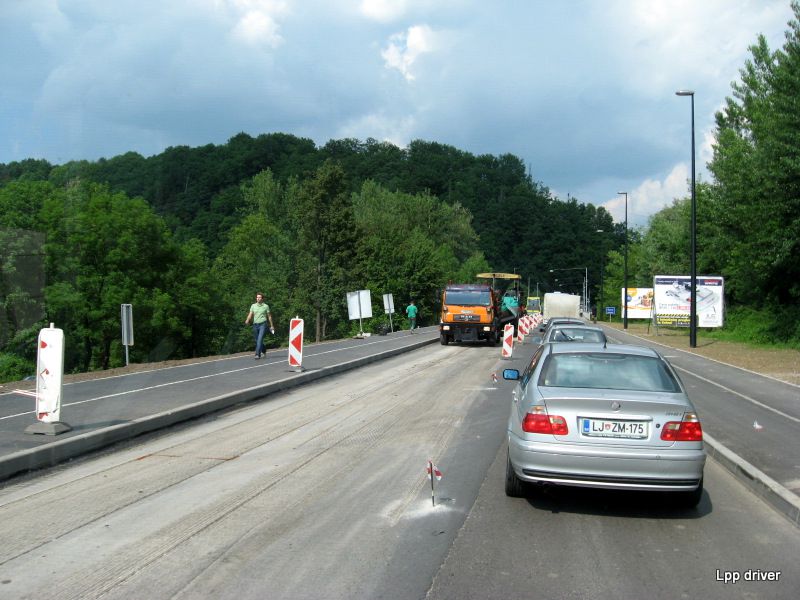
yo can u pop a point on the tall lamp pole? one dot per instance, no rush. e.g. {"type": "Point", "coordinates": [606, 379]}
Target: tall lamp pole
{"type": "Point", "coordinates": [600, 301]}
{"type": "Point", "coordinates": [625, 269]}
{"type": "Point", "coordinates": [693, 236]}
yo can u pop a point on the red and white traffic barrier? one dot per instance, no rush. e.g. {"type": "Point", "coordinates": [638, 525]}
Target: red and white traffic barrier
{"type": "Point", "coordinates": [508, 341]}
{"type": "Point", "coordinates": [296, 343]}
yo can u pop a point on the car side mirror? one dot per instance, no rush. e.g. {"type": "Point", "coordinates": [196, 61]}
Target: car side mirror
{"type": "Point", "coordinates": [511, 374]}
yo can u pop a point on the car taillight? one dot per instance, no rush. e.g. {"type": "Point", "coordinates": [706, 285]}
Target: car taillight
{"type": "Point", "coordinates": [541, 422]}
{"type": "Point", "coordinates": [687, 430]}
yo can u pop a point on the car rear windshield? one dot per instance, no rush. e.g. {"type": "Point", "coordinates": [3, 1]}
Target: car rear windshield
{"type": "Point", "coordinates": [604, 370]}
{"type": "Point", "coordinates": [565, 334]}
{"type": "Point", "coordinates": [467, 297]}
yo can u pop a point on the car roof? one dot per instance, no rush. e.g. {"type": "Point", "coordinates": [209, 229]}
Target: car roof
{"type": "Point", "coordinates": [576, 326]}
{"type": "Point", "coordinates": [595, 347]}
{"type": "Point", "coordinates": [563, 321]}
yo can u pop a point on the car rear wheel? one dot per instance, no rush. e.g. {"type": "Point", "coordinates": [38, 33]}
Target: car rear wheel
{"type": "Point", "coordinates": [690, 499]}
{"type": "Point", "coordinates": [515, 487]}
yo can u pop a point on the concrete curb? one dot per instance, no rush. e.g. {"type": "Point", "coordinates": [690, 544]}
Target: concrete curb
{"type": "Point", "coordinates": [57, 452]}
{"type": "Point", "coordinates": [761, 484]}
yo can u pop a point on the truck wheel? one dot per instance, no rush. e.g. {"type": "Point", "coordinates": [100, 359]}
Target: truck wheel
{"type": "Point", "coordinates": [444, 339]}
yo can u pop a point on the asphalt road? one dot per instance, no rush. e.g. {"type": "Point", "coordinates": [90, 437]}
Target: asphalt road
{"type": "Point", "coordinates": [320, 492]}
{"type": "Point", "coordinates": [756, 417]}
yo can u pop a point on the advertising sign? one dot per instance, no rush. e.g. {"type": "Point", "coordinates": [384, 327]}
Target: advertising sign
{"type": "Point", "coordinates": [673, 295]}
{"type": "Point", "coordinates": [640, 303]}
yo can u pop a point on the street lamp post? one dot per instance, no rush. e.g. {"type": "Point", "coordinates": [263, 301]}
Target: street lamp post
{"type": "Point", "coordinates": [601, 302]}
{"type": "Point", "coordinates": [693, 236]}
{"type": "Point", "coordinates": [625, 269]}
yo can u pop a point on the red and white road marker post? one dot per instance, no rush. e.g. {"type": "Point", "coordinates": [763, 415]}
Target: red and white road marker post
{"type": "Point", "coordinates": [49, 378]}
{"type": "Point", "coordinates": [296, 343]}
{"type": "Point", "coordinates": [524, 326]}
{"type": "Point", "coordinates": [508, 341]}
{"type": "Point", "coordinates": [433, 472]}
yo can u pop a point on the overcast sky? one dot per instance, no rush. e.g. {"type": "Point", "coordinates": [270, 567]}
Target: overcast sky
{"type": "Point", "coordinates": [583, 91]}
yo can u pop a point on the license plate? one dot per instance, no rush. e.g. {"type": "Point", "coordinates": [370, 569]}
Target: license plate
{"type": "Point", "coordinates": [615, 429]}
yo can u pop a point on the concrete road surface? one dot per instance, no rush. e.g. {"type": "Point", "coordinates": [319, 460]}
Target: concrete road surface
{"type": "Point", "coordinates": [321, 492]}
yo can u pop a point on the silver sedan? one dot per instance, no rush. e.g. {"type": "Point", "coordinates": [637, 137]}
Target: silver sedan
{"type": "Point", "coordinates": [614, 417]}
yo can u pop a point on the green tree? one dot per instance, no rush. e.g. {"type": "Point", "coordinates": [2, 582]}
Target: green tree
{"type": "Point", "coordinates": [103, 250]}
{"type": "Point", "coordinates": [22, 254]}
{"type": "Point", "coordinates": [756, 196]}
{"type": "Point", "coordinates": [326, 241]}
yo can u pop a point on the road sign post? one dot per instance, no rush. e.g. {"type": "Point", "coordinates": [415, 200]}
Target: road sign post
{"type": "Point", "coordinates": [126, 315]}
{"type": "Point", "coordinates": [388, 307]}
{"type": "Point", "coordinates": [359, 306]}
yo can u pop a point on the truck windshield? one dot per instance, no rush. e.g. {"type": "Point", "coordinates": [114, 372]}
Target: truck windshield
{"type": "Point", "coordinates": [467, 297]}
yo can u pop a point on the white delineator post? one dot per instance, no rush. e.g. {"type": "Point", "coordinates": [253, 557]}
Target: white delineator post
{"type": "Point", "coordinates": [508, 341]}
{"type": "Point", "coordinates": [296, 343]}
{"type": "Point", "coordinates": [49, 378]}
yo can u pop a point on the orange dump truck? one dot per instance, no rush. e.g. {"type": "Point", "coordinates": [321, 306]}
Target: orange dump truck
{"type": "Point", "coordinates": [474, 312]}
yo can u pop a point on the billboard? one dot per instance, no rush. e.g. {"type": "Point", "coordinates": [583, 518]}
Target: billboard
{"type": "Point", "coordinates": [640, 303]}
{"type": "Point", "coordinates": [672, 300]}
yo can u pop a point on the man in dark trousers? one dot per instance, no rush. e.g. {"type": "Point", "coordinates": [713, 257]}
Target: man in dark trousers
{"type": "Point", "coordinates": [259, 314]}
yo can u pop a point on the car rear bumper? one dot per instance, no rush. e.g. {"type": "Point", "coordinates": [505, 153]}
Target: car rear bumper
{"type": "Point", "coordinates": [657, 469]}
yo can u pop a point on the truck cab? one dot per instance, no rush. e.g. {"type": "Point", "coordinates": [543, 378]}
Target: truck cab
{"type": "Point", "coordinates": [469, 314]}
{"type": "Point", "coordinates": [473, 312]}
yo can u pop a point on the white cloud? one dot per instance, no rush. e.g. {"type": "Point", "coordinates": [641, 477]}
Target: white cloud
{"type": "Point", "coordinates": [404, 49]}
{"type": "Point", "coordinates": [397, 130]}
{"type": "Point", "coordinates": [684, 43]}
{"type": "Point", "coordinates": [650, 196]}
{"type": "Point", "coordinates": [383, 11]}
{"type": "Point", "coordinates": [256, 24]}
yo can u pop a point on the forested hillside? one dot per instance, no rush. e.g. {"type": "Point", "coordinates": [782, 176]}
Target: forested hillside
{"type": "Point", "coordinates": [188, 237]}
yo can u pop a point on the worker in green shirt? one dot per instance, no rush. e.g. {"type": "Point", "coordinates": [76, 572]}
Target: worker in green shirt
{"type": "Point", "coordinates": [411, 312]}
{"type": "Point", "coordinates": [259, 314]}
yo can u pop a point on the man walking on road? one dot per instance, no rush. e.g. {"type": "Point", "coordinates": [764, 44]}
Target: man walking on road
{"type": "Point", "coordinates": [411, 312]}
{"type": "Point", "coordinates": [259, 313]}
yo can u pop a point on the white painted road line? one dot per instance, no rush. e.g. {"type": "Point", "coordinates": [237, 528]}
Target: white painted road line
{"type": "Point", "coordinates": [748, 398]}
